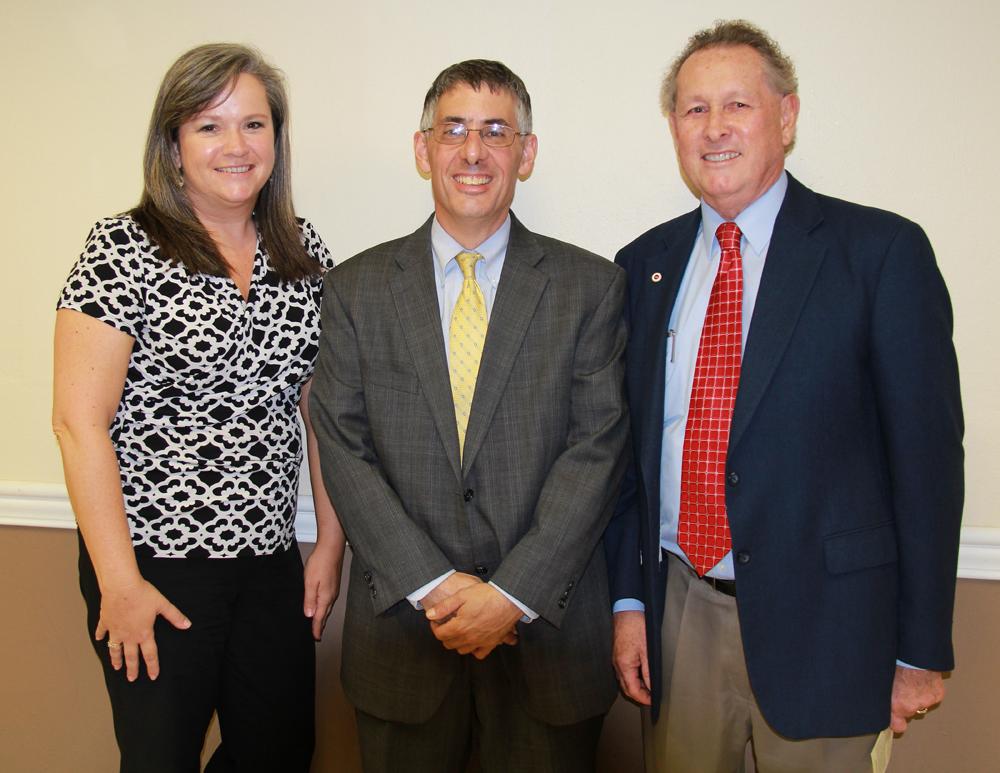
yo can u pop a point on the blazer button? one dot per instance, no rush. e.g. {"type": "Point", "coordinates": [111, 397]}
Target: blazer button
{"type": "Point", "coordinates": [569, 585]}
{"type": "Point", "coordinates": [468, 494]}
{"type": "Point", "coordinates": [480, 569]}
{"type": "Point", "coordinates": [743, 557]}
{"type": "Point", "coordinates": [368, 577]}
{"type": "Point", "coordinates": [374, 592]}
{"type": "Point", "coordinates": [733, 479]}
{"type": "Point", "coordinates": [562, 603]}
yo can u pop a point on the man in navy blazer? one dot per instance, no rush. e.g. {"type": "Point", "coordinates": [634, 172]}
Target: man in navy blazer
{"type": "Point", "coordinates": [829, 620]}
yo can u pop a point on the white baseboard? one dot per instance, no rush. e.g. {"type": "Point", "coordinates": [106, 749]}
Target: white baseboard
{"type": "Point", "coordinates": [979, 553]}
{"type": "Point", "coordinates": [46, 505]}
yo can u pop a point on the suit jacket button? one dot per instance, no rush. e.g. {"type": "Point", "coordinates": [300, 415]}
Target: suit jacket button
{"type": "Point", "coordinates": [569, 585]}
{"type": "Point", "coordinates": [733, 479]}
{"type": "Point", "coordinates": [468, 494]}
{"type": "Point", "coordinates": [562, 603]}
{"type": "Point", "coordinates": [480, 569]}
{"type": "Point", "coordinates": [368, 577]}
{"type": "Point", "coordinates": [743, 557]}
{"type": "Point", "coordinates": [374, 592]}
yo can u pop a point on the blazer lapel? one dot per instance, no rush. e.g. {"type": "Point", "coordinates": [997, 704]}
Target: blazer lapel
{"type": "Point", "coordinates": [521, 287]}
{"type": "Point", "coordinates": [793, 261]}
{"type": "Point", "coordinates": [416, 299]}
{"type": "Point", "coordinates": [647, 357]}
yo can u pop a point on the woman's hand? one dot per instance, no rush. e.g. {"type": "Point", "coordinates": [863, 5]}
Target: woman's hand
{"type": "Point", "coordinates": [322, 579]}
{"type": "Point", "coordinates": [322, 572]}
{"type": "Point", "coordinates": [91, 360]}
{"type": "Point", "coordinates": [127, 617]}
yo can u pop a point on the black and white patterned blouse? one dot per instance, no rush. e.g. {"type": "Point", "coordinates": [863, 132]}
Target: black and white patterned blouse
{"type": "Point", "coordinates": [207, 432]}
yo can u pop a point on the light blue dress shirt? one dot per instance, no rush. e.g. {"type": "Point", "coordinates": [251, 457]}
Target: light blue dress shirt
{"type": "Point", "coordinates": [448, 279]}
{"type": "Point", "coordinates": [448, 275]}
{"type": "Point", "coordinates": [756, 223]}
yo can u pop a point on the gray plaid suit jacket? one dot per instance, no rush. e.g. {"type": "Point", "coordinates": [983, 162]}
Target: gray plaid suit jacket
{"type": "Point", "coordinates": [526, 509]}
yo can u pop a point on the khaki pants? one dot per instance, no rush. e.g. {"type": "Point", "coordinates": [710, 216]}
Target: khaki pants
{"type": "Point", "coordinates": [709, 715]}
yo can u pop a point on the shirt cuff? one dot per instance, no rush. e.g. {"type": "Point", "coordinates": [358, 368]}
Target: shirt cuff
{"type": "Point", "coordinates": [527, 614]}
{"type": "Point", "coordinates": [628, 605]}
{"type": "Point", "coordinates": [907, 665]}
{"type": "Point", "coordinates": [418, 595]}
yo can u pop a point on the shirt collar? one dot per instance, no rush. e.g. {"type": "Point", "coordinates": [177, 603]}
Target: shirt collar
{"type": "Point", "coordinates": [756, 222]}
{"type": "Point", "coordinates": [493, 250]}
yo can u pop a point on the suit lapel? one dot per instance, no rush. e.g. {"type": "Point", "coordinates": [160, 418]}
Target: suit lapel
{"type": "Point", "coordinates": [518, 293]}
{"type": "Point", "coordinates": [793, 261]}
{"type": "Point", "coordinates": [416, 299]}
{"type": "Point", "coordinates": [647, 358]}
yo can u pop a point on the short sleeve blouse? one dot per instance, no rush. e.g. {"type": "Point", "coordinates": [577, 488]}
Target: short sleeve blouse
{"type": "Point", "coordinates": [207, 433]}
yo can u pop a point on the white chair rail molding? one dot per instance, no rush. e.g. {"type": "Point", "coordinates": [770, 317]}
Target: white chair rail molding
{"type": "Point", "coordinates": [46, 505]}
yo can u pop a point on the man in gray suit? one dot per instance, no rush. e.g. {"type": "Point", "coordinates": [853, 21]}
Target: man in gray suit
{"type": "Point", "coordinates": [468, 403]}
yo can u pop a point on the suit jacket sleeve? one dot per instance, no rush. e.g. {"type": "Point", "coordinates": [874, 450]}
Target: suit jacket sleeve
{"type": "Point", "coordinates": [406, 557]}
{"type": "Point", "coordinates": [621, 538]}
{"type": "Point", "coordinates": [580, 490]}
{"type": "Point", "coordinates": [621, 542]}
{"type": "Point", "coordinates": [917, 388]}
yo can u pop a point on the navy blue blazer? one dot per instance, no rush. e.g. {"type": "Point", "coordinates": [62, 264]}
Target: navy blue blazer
{"type": "Point", "coordinates": [845, 462]}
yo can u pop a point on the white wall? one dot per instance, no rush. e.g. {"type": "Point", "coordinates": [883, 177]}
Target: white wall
{"type": "Point", "coordinates": [898, 111]}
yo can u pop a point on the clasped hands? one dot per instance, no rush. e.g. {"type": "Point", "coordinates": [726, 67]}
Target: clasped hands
{"type": "Point", "coordinates": [470, 616]}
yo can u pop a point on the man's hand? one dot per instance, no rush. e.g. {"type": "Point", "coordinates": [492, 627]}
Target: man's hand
{"type": "Point", "coordinates": [629, 655]}
{"type": "Point", "coordinates": [476, 620]}
{"type": "Point", "coordinates": [913, 692]}
{"type": "Point", "coordinates": [448, 587]}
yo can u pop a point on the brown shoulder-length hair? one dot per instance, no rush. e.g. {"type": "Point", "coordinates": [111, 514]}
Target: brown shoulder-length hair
{"type": "Point", "coordinates": [194, 82]}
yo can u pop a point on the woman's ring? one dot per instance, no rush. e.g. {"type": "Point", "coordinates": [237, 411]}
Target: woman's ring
{"type": "Point", "coordinates": [921, 711]}
{"type": "Point", "coordinates": [117, 645]}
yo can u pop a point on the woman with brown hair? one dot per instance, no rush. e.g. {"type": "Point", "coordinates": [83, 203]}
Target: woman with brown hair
{"type": "Point", "coordinates": [185, 340]}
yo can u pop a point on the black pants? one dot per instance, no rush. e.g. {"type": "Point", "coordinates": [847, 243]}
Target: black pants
{"type": "Point", "coordinates": [248, 655]}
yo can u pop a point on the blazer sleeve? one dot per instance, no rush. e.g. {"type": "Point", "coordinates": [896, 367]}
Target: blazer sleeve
{"type": "Point", "coordinates": [621, 542]}
{"type": "Point", "coordinates": [406, 557]}
{"type": "Point", "coordinates": [917, 388]}
{"type": "Point", "coordinates": [580, 490]}
{"type": "Point", "coordinates": [622, 546]}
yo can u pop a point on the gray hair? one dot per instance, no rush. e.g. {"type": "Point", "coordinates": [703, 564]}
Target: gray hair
{"type": "Point", "coordinates": [199, 78]}
{"type": "Point", "coordinates": [477, 73]}
{"type": "Point", "coordinates": [779, 70]}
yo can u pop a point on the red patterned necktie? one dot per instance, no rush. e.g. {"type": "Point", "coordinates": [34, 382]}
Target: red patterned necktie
{"type": "Point", "coordinates": [703, 530]}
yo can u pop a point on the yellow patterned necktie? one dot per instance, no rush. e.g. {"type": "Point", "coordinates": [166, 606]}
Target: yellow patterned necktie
{"type": "Point", "coordinates": [465, 341]}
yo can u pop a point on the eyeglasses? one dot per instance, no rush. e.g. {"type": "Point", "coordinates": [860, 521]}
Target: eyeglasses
{"type": "Point", "coordinates": [493, 135]}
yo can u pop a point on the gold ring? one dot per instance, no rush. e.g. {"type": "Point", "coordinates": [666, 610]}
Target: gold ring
{"type": "Point", "coordinates": [921, 711]}
{"type": "Point", "coordinates": [115, 645]}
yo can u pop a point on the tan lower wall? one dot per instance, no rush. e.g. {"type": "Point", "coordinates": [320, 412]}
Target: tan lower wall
{"type": "Point", "coordinates": [54, 714]}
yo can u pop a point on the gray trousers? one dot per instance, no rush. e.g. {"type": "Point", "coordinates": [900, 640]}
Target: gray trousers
{"type": "Point", "coordinates": [480, 719]}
